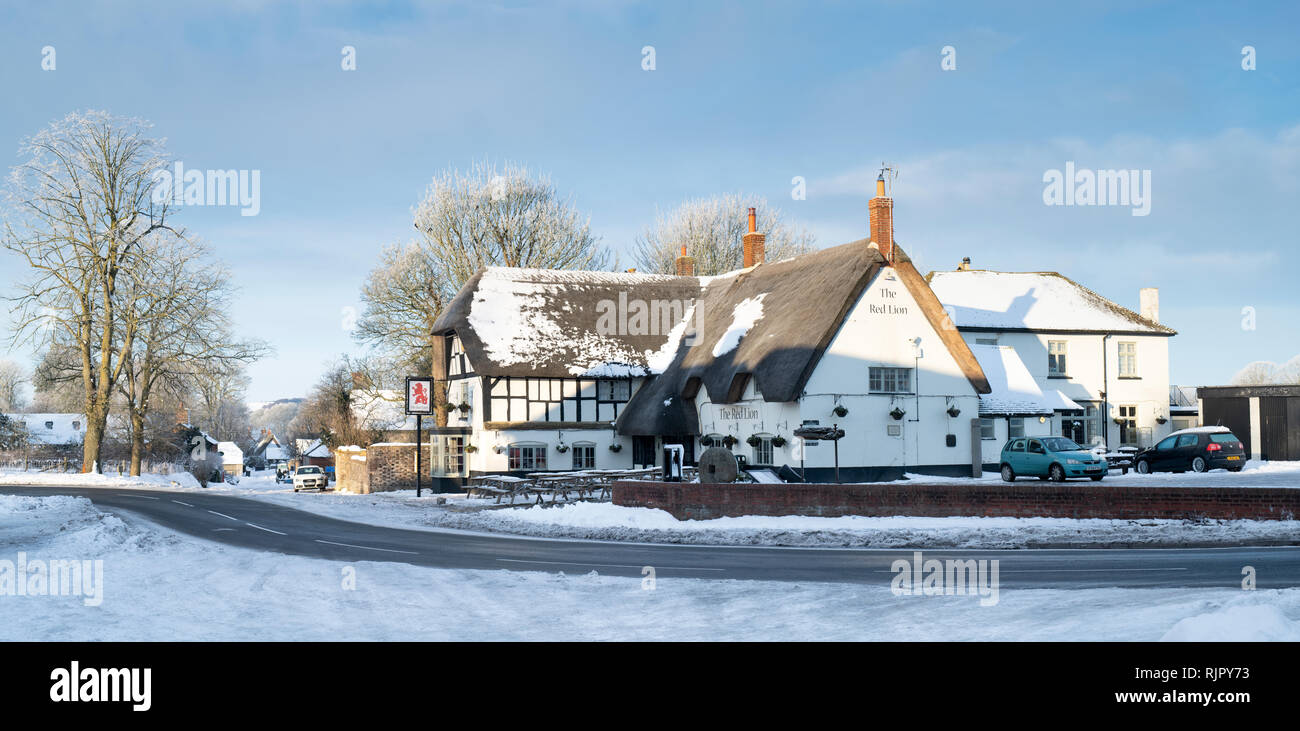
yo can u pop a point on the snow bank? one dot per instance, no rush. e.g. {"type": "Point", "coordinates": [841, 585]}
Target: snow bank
{"type": "Point", "coordinates": [20, 477]}
{"type": "Point", "coordinates": [1247, 623]}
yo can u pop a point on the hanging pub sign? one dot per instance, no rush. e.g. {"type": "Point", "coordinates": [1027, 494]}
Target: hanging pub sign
{"type": "Point", "coordinates": [419, 396]}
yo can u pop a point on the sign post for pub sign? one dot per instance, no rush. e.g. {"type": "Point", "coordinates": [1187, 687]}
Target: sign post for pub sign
{"type": "Point", "coordinates": [419, 403]}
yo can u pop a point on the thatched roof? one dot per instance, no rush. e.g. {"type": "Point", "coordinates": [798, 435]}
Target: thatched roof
{"type": "Point", "coordinates": [769, 323]}
{"type": "Point", "coordinates": [803, 301]}
{"type": "Point", "coordinates": [547, 323]}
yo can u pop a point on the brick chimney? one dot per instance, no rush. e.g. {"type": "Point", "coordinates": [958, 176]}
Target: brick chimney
{"type": "Point", "coordinates": [753, 242]}
{"type": "Point", "coordinates": [1149, 303]}
{"type": "Point", "coordinates": [685, 264]}
{"type": "Point", "coordinates": [882, 220]}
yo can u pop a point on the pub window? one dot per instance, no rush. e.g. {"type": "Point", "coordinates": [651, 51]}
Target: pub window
{"type": "Point", "coordinates": [527, 457]}
{"type": "Point", "coordinates": [1015, 428]}
{"type": "Point", "coordinates": [988, 429]}
{"type": "Point", "coordinates": [889, 380]}
{"type": "Point", "coordinates": [584, 456]}
{"type": "Point", "coordinates": [1056, 352]}
{"type": "Point", "coordinates": [763, 452]}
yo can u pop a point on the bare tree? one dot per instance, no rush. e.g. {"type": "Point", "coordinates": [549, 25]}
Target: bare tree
{"type": "Point", "coordinates": [179, 310]}
{"type": "Point", "coordinates": [12, 378]}
{"type": "Point", "coordinates": [484, 217]}
{"type": "Point", "coordinates": [711, 229]}
{"type": "Point", "coordinates": [327, 412]}
{"type": "Point", "coordinates": [79, 210]}
{"type": "Point", "coordinates": [1259, 373]}
{"type": "Point", "coordinates": [1266, 373]}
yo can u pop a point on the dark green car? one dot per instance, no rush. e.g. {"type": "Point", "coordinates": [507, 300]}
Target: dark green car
{"type": "Point", "coordinates": [1049, 458]}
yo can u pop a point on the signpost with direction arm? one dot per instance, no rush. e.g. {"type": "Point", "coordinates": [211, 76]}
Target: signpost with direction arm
{"type": "Point", "coordinates": [419, 403]}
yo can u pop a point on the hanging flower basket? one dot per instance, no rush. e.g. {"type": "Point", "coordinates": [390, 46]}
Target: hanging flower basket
{"type": "Point", "coordinates": [729, 441]}
{"type": "Point", "coordinates": [449, 407]}
{"type": "Point", "coordinates": [840, 411]}
{"type": "Point", "coordinates": [954, 412]}
{"type": "Point", "coordinates": [1161, 420]}
{"type": "Point", "coordinates": [706, 441]}
{"type": "Point", "coordinates": [753, 440]}
{"type": "Point", "coordinates": [778, 441]}
{"type": "Point", "coordinates": [616, 447]}
{"type": "Point", "coordinates": [470, 448]}
{"type": "Point", "coordinates": [562, 448]}
{"type": "Point", "coordinates": [897, 413]}
{"type": "Point", "coordinates": [463, 408]}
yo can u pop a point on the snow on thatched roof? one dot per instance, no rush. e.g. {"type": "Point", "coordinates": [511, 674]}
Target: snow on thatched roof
{"type": "Point", "coordinates": [781, 316]}
{"type": "Point", "coordinates": [559, 323]}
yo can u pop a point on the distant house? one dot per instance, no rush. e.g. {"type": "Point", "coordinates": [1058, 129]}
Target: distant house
{"type": "Point", "coordinates": [314, 451]}
{"type": "Point", "coordinates": [232, 458]}
{"type": "Point", "coordinates": [53, 429]}
{"type": "Point", "coordinates": [267, 453]}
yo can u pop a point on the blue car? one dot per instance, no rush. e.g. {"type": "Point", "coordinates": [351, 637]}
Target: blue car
{"type": "Point", "coordinates": [1049, 458]}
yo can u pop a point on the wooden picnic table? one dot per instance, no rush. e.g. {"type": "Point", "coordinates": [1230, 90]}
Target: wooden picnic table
{"type": "Point", "coordinates": [500, 486]}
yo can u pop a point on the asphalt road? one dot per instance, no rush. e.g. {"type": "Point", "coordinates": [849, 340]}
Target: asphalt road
{"type": "Point", "coordinates": [262, 526]}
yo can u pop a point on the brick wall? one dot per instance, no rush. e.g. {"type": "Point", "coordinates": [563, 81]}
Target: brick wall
{"type": "Point", "coordinates": [392, 466]}
{"type": "Point", "coordinates": [351, 470]}
{"type": "Point", "coordinates": [1021, 500]}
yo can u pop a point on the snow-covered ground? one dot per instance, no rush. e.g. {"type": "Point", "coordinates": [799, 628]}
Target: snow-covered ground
{"type": "Point", "coordinates": [604, 521]}
{"type": "Point", "coordinates": [158, 585]}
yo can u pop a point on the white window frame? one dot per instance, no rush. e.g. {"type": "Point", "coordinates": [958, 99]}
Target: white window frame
{"type": "Point", "coordinates": [588, 448]}
{"type": "Point", "coordinates": [1127, 360]}
{"type": "Point", "coordinates": [516, 462]}
{"type": "Point", "coordinates": [885, 379]}
{"type": "Point", "coordinates": [1058, 358]}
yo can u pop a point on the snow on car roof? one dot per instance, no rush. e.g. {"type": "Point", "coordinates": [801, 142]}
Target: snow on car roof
{"type": "Point", "coordinates": [1201, 430]}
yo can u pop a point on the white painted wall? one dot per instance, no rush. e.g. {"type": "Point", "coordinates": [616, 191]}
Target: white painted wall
{"type": "Point", "coordinates": [1149, 392]}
